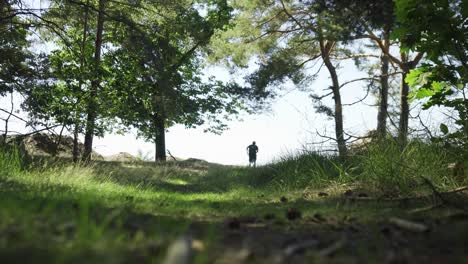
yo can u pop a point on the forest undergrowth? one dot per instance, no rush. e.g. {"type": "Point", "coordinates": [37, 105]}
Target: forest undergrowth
{"type": "Point", "coordinates": [118, 212]}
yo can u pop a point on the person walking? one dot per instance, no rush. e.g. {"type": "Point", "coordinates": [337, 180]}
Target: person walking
{"type": "Point", "coordinates": [252, 151]}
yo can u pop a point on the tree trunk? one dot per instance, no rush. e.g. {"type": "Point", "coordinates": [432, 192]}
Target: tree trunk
{"type": "Point", "coordinates": [76, 131]}
{"type": "Point", "coordinates": [383, 102]}
{"type": "Point", "coordinates": [404, 112]}
{"type": "Point", "coordinates": [76, 151]}
{"type": "Point", "coordinates": [325, 48]}
{"type": "Point", "coordinates": [160, 140]}
{"type": "Point", "coordinates": [406, 66]}
{"type": "Point", "coordinates": [92, 105]}
{"type": "Point", "coordinates": [404, 106]}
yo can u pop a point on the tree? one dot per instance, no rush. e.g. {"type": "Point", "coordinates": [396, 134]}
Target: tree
{"type": "Point", "coordinates": [370, 16]}
{"type": "Point", "coordinates": [287, 37]}
{"type": "Point", "coordinates": [76, 82]}
{"type": "Point", "coordinates": [374, 19]}
{"type": "Point", "coordinates": [14, 56]}
{"type": "Point", "coordinates": [439, 29]}
{"type": "Point", "coordinates": [159, 83]}
{"type": "Point", "coordinates": [61, 92]}
{"type": "Point", "coordinates": [405, 62]}
{"type": "Point", "coordinates": [155, 49]}
{"type": "Point", "coordinates": [92, 110]}
{"type": "Point", "coordinates": [16, 61]}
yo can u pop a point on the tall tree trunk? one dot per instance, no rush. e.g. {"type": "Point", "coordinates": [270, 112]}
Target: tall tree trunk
{"type": "Point", "coordinates": [325, 49]}
{"type": "Point", "coordinates": [404, 106]}
{"type": "Point", "coordinates": [76, 151]}
{"type": "Point", "coordinates": [406, 66]}
{"type": "Point", "coordinates": [160, 115]}
{"type": "Point", "coordinates": [92, 105]}
{"type": "Point", "coordinates": [160, 140]}
{"type": "Point", "coordinates": [383, 102]}
{"type": "Point", "coordinates": [76, 130]}
{"type": "Point", "coordinates": [404, 112]}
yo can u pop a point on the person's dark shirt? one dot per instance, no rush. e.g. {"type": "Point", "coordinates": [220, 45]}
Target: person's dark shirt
{"type": "Point", "coordinates": [253, 149]}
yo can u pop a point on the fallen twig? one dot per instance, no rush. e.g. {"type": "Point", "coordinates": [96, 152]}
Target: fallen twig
{"type": "Point", "coordinates": [409, 225]}
{"type": "Point", "coordinates": [333, 247]}
{"type": "Point", "coordinates": [456, 190]}
{"type": "Point", "coordinates": [427, 208]}
{"type": "Point", "coordinates": [439, 195]}
{"type": "Point", "coordinates": [459, 189]}
{"type": "Point", "coordinates": [292, 249]}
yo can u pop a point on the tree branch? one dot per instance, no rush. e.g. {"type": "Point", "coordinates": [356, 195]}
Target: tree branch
{"type": "Point", "coordinates": [379, 42]}
{"type": "Point", "coordinates": [356, 56]}
{"type": "Point", "coordinates": [15, 116]}
{"type": "Point", "coordinates": [360, 100]}
{"type": "Point", "coordinates": [289, 15]}
{"type": "Point", "coordinates": [357, 80]}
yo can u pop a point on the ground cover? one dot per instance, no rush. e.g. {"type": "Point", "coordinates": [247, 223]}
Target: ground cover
{"type": "Point", "coordinates": [197, 212]}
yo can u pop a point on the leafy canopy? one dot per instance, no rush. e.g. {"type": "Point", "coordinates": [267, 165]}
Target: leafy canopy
{"type": "Point", "coordinates": [438, 28]}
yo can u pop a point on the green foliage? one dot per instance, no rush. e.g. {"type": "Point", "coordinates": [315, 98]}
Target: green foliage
{"type": "Point", "coordinates": [61, 92]}
{"type": "Point", "coordinates": [159, 72]}
{"type": "Point", "coordinates": [15, 59]}
{"type": "Point", "coordinates": [444, 129]}
{"type": "Point", "coordinates": [438, 28]}
{"type": "Point", "coordinates": [392, 172]}
{"type": "Point", "coordinates": [151, 65]}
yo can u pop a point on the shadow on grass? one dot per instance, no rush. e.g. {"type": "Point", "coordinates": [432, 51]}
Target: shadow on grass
{"type": "Point", "coordinates": [36, 198]}
{"type": "Point", "coordinates": [44, 221]}
{"type": "Point", "coordinates": [183, 177]}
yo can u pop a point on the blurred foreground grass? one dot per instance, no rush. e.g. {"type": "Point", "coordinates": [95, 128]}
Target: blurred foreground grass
{"type": "Point", "coordinates": [115, 212]}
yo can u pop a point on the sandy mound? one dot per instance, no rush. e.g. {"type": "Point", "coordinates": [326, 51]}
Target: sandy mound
{"type": "Point", "coordinates": [44, 144]}
{"type": "Point", "coordinates": [122, 156]}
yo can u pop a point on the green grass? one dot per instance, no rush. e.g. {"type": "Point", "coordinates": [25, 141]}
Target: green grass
{"type": "Point", "coordinates": [114, 212]}
{"type": "Point", "coordinates": [392, 172]}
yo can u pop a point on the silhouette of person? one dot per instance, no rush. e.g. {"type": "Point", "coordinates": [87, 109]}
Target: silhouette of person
{"type": "Point", "coordinates": [252, 151]}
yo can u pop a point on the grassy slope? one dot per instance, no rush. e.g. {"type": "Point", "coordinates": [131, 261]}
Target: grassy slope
{"type": "Point", "coordinates": [124, 212]}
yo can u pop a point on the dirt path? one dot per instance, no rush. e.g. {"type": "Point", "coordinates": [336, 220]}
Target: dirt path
{"type": "Point", "coordinates": [322, 239]}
